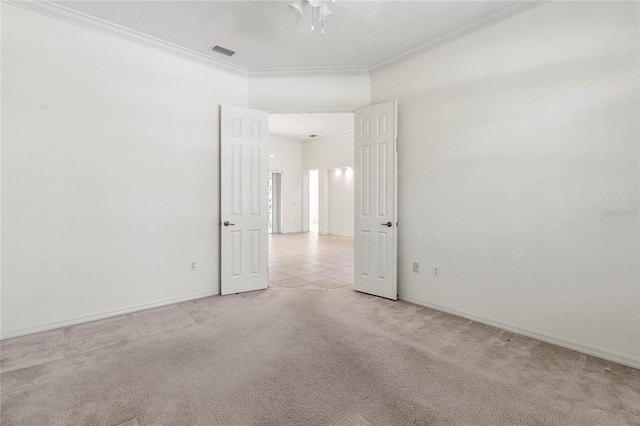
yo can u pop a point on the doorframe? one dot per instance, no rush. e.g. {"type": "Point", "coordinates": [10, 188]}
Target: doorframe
{"type": "Point", "coordinates": [306, 198]}
{"type": "Point", "coordinates": [345, 170]}
{"type": "Point", "coordinates": [276, 201]}
{"type": "Point", "coordinates": [321, 176]}
{"type": "Point", "coordinates": [305, 172]}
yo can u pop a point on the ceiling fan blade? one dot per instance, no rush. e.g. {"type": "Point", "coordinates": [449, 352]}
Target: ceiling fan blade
{"type": "Point", "coordinates": [297, 7]}
{"type": "Point", "coordinates": [303, 21]}
{"type": "Point", "coordinates": [366, 8]}
{"type": "Point", "coordinates": [323, 12]}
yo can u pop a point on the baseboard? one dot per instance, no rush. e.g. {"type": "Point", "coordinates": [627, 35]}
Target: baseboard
{"type": "Point", "coordinates": [106, 314]}
{"type": "Point", "coordinates": [620, 358]}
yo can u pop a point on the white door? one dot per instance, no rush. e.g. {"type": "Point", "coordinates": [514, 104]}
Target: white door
{"type": "Point", "coordinates": [244, 170]}
{"type": "Point", "coordinates": [376, 201]}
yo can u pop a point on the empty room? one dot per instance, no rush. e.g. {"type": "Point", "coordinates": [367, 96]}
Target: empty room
{"type": "Point", "coordinates": [320, 212]}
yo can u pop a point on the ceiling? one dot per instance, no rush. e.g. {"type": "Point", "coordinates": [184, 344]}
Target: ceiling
{"type": "Point", "coordinates": [298, 127]}
{"type": "Point", "coordinates": [263, 32]}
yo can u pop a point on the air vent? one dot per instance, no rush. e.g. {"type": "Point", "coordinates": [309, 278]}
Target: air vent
{"type": "Point", "coordinates": [222, 50]}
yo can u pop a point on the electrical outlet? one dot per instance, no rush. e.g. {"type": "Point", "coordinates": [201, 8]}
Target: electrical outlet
{"type": "Point", "coordinates": [416, 267]}
{"type": "Point", "coordinates": [435, 271]}
{"type": "Point", "coordinates": [192, 265]}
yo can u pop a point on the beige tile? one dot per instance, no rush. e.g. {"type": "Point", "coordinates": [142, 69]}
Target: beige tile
{"type": "Point", "coordinates": [289, 263]}
{"type": "Point", "coordinates": [317, 269]}
{"type": "Point", "coordinates": [326, 261]}
{"type": "Point", "coordinates": [278, 267]}
{"type": "Point", "coordinates": [346, 278]}
{"type": "Point", "coordinates": [310, 287]}
{"type": "Point", "coordinates": [315, 261]}
{"type": "Point", "coordinates": [98, 334]}
{"type": "Point", "coordinates": [34, 349]}
{"type": "Point", "coordinates": [274, 266]}
{"type": "Point", "coordinates": [333, 274]}
{"type": "Point", "coordinates": [348, 287]}
{"type": "Point", "coordinates": [330, 284]}
{"type": "Point", "coordinates": [312, 278]}
{"type": "Point", "coordinates": [292, 282]}
{"type": "Point", "coordinates": [303, 265]}
{"type": "Point", "coordinates": [294, 272]}
{"type": "Point", "coordinates": [326, 264]}
{"type": "Point", "coordinates": [275, 276]}
{"type": "Point", "coordinates": [159, 320]}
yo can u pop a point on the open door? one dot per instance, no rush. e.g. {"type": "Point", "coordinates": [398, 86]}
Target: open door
{"type": "Point", "coordinates": [376, 201]}
{"type": "Point", "coordinates": [244, 170]}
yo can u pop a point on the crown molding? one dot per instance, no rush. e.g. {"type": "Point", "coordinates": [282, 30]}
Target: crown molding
{"type": "Point", "coordinates": [470, 27]}
{"type": "Point", "coordinates": [78, 18]}
{"type": "Point", "coordinates": [309, 72]}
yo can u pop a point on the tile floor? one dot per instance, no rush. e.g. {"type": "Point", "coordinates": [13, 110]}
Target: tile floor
{"type": "Point", "coordinates": [308, 260]}
{"type": "Point", "coordinates": [297, 261]}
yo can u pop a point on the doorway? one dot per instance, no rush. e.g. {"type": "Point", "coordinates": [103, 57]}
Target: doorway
{"type": "Point", "coordinates": [308, 149]}
{"type": "Point", "coordinates": [313, 201]}
{"type": "Point", "coordinates": [275, 203]}
{"type": "Point", "coordinates": [340, 199]}
{"type": "Point", "coordinates": [330, 158]}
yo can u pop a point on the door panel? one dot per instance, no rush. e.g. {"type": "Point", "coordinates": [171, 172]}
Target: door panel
{"type": "Point", "coordinates": [376, 200]}
{"type": "Point", "coordinates": [243, 200]}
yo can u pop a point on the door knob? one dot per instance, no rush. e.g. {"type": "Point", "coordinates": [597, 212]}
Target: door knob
{"type": "Point", "coordinates": [226, 223]}
{"type": "Point", "coordinates": [389, 224]}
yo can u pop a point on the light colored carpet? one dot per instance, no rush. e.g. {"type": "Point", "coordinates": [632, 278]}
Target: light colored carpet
{"type": "Point", "coordinates": [320, 357]}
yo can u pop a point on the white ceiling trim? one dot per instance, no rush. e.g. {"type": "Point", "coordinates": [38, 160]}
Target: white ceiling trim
{"type": "Point", "coordinates": [470, 27]}
{"type": "Point", "coordinates": [308, 72]}
{"type": "Point", "coordinates": [78, 18]}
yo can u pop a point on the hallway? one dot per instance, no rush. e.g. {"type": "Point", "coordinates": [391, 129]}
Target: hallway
{"type": "Point", "coordinates": [310, 261]}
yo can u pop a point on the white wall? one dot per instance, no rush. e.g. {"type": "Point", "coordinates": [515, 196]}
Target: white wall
{"type": "Point", "coordinates": [313, 197]}
{"type": "Point", "coordinates": [288, 160]}
{"type": "Point", "coordinates": [341, 199]}
{"type": "Point", "coordinates": [513, 142]}
{"type": "Point", "coordinates": [324, 154]}
{"type": "Point", "coordinates": [309, 94]}
{"type": "Point", "coordinates": [110, 176]}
